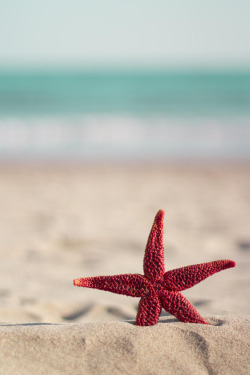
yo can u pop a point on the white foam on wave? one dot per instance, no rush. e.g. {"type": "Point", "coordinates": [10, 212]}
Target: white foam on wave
{"type": "Point", "coordinates": [94, 137]}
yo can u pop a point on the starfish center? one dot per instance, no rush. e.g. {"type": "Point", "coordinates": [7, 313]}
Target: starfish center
{"type": "Point", "coordinates": [157, 286]}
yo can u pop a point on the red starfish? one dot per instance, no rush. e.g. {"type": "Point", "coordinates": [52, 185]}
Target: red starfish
{"type": "Point", "coordinates": [156, 287]}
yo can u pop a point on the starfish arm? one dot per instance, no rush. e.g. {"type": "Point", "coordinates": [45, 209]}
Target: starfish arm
{"type": "Point", "coordinates": [177, 305]}
{"type": "Point", "coordinates": [130, 285]}
{"type": "Point", "coordinates": [186, 277]}
{"type": "Point", "coordinates": [154, 253]}
{"type": "Point", "coordinates": [149, 310]}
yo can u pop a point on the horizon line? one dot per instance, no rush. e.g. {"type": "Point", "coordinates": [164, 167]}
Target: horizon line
{"type": "Point", "coordinates": [95, 68]}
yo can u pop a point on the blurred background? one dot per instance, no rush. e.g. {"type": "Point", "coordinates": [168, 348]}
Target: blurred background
{"type": "Point", "coordinates": [91, 81]}
{"type": "Point", "coordinates": [109, 111]}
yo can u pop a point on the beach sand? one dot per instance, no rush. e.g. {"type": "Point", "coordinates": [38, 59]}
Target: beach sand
{"type": "Point", "coordinates": [59, 223]}
{"type": "Point", "coordinates": [170, 347]}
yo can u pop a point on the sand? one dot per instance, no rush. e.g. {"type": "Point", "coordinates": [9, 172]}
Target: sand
{"type": "Point", "coordinates": [170, 347]}
{"type": "Point", "coordinates": [61, 223]}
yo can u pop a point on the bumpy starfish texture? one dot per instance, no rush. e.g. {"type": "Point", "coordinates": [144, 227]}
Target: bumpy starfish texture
{"type": "Point", "coordinates": [156, 287]}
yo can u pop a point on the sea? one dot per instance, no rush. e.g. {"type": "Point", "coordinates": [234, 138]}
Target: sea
{"type": "Point", "coordinates": [124, 115]}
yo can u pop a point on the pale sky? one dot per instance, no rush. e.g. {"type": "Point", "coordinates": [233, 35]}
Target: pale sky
{"type": "Point", "coordinates": [166, 33]}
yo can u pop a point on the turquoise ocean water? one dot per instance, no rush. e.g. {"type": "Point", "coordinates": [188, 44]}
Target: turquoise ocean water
{"type": "Point", "coordinates": [124, 115]}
